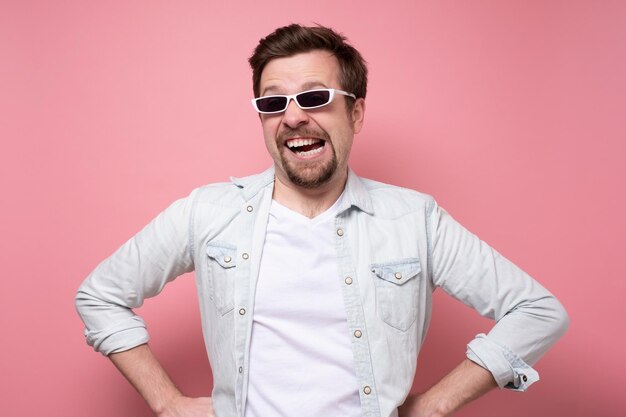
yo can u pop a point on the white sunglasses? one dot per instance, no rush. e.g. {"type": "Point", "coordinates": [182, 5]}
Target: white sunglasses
{"type": "Point", "coordinates": [311, 99]}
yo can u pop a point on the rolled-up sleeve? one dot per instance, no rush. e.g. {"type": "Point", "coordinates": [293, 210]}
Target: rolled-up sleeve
{"type": "Point", "coordinates": [529, 319]}
{"type": "Point", "coordinates": [136, 271]}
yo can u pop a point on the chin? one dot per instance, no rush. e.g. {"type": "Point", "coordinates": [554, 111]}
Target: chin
{"type": "Point", "coordinates": [314, 179]}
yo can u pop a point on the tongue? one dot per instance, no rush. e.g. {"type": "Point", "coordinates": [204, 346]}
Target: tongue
{"type": "Point", "coordinates": [307, 148]}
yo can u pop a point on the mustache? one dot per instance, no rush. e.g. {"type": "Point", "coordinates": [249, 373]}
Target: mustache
{"type": "Point", "coordinates": [288, 133]}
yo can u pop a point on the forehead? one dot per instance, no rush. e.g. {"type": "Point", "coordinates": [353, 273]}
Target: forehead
{"type": "Point", "coordinates": [292, 74]}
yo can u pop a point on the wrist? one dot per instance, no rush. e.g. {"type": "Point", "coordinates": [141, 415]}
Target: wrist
{"type": "Point", "coordinates": [165, 405]}
{"type": "Point", "coordinates": [436, 406]}
{"type": "Point", "coordinates": [424, 405]}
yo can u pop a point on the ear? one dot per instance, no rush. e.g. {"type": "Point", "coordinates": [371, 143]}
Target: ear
{"type": "Point", "coordinates": [358, 115]}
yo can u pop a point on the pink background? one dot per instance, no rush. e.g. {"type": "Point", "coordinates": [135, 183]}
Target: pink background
{"type": "Point", "coordinates": [510, 113]}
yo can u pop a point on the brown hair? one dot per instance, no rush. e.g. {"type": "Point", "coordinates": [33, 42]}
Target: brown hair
{"type": "Point", "coordinates": [294, 39]}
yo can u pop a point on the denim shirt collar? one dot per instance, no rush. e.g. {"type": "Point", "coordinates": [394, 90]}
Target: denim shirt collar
{"type": "Point", "coordinates": [251, 185]}
{"type": "Point", "coordinates": [355, 193]}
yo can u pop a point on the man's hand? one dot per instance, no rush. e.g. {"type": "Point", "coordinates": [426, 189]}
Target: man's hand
{"type": "Point", "coordinates": [189, 407]}
{"type": "Point", "coordinates": [465, 383]}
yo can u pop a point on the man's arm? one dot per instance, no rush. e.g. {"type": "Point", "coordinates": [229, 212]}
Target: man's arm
{"type": "Point", "coordinates": [140, 269]}
{"type": "Point", "coordinates": [463, 384]}
{"type": "Point", "coordinates": [142, 369]}
{"type": "Point", "coordinates": [474, 273]}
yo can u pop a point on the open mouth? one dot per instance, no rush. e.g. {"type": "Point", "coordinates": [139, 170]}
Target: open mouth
{"type": "Point", "coordinates": [305, 147]}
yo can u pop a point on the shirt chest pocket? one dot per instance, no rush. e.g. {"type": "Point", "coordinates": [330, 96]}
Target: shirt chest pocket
{"type": "Point", "coordinates": [397, 289]}
{"type": "Point", "coordinates": [221, 262]}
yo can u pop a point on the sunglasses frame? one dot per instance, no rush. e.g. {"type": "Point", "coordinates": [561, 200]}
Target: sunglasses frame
{"type": "Point", "coordinates": [290, 97]}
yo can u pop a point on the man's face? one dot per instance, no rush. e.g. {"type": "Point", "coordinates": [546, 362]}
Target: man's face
{"type": "Point", "coordinates": [309, 147]}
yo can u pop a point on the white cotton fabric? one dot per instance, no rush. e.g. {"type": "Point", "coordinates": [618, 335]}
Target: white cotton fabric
{"type": "Point", "coordinates": [301, 361]}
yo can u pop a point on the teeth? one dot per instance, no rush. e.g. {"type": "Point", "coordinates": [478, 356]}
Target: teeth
{"type": "Point", "coordinates": [312, 152]}
{"type": "Point", "coordinates": [294, 143]}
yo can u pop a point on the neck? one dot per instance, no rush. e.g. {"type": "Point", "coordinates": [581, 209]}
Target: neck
{"type": "Point", "coordinates": [306, 201]}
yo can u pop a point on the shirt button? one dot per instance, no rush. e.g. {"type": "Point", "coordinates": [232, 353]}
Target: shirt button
{"type": "Point", "coordinates": [240, 369]}
{"type": "Point", "coordinates": [249, 208]}
{"type": "Point", "coordinates": [348, 281]}
{"type": "Point", "coordinates": [398, 275]}
{"type": "Point", "coordinates": [340, 232]}
{"type": "Point", "coordinates": [357, 334]}
{"type": "Point", "coordinates": [367, 390]}
{"type": "Point", "coordinates": [227, 259]}
{"type": "Point", "coordinates": [245, 255]}
{"type": "Point", "coordinates": [242, 311]}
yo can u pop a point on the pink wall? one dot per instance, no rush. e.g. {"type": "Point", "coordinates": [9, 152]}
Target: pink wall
{"type": "Point", "coordinates": [510, 113]}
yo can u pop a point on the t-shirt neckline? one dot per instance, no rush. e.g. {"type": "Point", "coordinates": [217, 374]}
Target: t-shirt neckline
{"type": "Point", "coordinates": [280, 211]}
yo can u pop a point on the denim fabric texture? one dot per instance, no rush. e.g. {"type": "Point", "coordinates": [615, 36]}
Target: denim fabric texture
{"type": "Point", "coordinates": [394, 247]}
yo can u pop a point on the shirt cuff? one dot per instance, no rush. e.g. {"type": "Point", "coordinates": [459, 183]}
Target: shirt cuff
{"type": "Point", "coordinates": [508, 369]}
{"type": "Point", "coordinates": [123, 336]}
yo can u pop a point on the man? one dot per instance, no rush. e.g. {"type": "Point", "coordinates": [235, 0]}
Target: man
{"type": "Point", "coordinates": [314, 284]}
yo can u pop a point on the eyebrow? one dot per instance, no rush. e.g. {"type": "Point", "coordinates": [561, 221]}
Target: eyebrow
{"type": "Point", "coordinates": [310, 85]}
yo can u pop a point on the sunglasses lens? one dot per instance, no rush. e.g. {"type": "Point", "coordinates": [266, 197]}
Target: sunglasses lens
{"type": "Point", "coordinates": [315, 98]}
{"type": "Point", "coordinates": [271, 104]}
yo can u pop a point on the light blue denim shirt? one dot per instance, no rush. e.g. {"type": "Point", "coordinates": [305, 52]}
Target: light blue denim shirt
{"type": "Point", "coordinates": [394, 247]}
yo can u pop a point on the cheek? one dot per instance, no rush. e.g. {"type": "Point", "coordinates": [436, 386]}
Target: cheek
{"type": "Point", "coordinates": [346, 146]}
{"type": "Point", "coordinates": [269, 133]}
{"type": "Point", "coordinates": [270, 145]}
{"type": "Point", "coordinates": [343, 140]}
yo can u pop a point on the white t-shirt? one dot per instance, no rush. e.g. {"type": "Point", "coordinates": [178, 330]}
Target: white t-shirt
{"type": "Point", "coordinates": [301, 361]}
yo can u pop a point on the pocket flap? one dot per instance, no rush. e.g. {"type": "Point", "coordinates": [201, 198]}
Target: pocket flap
{"type": "Point", "coordinates": [223, 253]}
{"type": "Point", "coordinates": [397, 272]}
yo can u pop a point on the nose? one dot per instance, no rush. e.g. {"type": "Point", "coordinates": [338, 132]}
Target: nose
{"type": "Point", "coordinates": [294, 116]}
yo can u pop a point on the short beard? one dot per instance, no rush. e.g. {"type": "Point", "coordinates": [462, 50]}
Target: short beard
{"type": "Point", "coordinates": [320, 173]}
